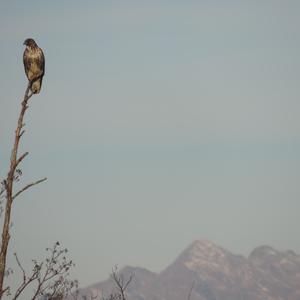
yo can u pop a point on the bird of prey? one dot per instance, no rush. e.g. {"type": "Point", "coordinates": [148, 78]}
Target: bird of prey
{"type": "Point", "coordinates": [34, 65]}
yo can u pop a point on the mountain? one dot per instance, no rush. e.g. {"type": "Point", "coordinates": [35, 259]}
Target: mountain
{"type": "Point", "coordinates": [205, 271]}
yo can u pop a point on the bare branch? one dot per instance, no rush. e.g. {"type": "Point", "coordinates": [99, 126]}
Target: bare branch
{"type": "Point", "coordinates": [20, 266]}
{"type": "Point", "coordinates": [27, 187]}
{"type": "Point", "coordinates": [50, 277]}
{"type": "Point", "coordinates": [190, 291]}
{"type": "Point", "coordinates": [21, 133]}
{"type": "Point", "coordinates": [2, 187]}
{"type": "Point", "coordinates": [5, 290]}
{"type": "Point", "coordinates": [21, 158]}
{"type": "Point", "coordinates": [26, 280]}
{"type": "Point", "coordinates": [53, 278]}
{"type": "Point", "coordinates": [121, 284]}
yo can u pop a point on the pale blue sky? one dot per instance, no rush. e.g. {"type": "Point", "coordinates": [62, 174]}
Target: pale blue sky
{"type": "Point", "coordinates": [159, 122]}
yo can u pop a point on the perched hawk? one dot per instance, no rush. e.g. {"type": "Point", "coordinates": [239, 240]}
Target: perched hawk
{"type": "Point", "coordinates": [34, 64]}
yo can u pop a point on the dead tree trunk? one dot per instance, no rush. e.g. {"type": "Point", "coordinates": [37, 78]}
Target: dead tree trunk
{"type": "Point", "coordinates": [8, 185]}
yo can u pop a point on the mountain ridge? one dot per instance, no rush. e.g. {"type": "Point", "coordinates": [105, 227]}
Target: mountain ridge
{"type": "Point", "coordinates": [215, 274]}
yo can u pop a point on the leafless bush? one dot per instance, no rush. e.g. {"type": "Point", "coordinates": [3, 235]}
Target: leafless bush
{"type": "Point", "coordinates": [49, 277]}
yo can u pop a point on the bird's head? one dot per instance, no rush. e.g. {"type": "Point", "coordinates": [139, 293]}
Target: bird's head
{"type": "Point", "coordinates": [30, 43]}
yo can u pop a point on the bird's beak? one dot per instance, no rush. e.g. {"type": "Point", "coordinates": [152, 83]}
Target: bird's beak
{"type": "Point", "coordinates": [24, 43]}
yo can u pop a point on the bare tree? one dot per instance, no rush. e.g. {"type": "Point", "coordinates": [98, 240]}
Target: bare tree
{"type": "Point", "coordinates": [121, 283]}
{"type": "Point", "coordinates": [118, 292]}
{"type": "Point", "coordinates": [49, 277]}
{"type": "Point", "coordinates": [8, 187]}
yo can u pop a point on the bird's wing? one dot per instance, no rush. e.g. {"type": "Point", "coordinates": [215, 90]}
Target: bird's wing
{"type": "Point", "coordinates": [41, 61]}
{"type": "Point", "coordinates": [26, 61]}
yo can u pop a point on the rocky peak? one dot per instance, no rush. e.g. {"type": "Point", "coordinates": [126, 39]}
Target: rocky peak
{"type": "Point", "coordinates": [262, 252]}
{"type": "Point", "coordinates": [205, 254]}
{"type": "Point", "coordinates": [203, 250]}
{"type": "Point", "coordinates": [217, 274]}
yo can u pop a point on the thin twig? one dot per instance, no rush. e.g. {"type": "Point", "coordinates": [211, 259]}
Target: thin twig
{"type": "Point", "coordinates": [27, 187]}
{"type": "Point", "coordinates": [21, 133]}
{"type": "Point", "coordinates": [20, 266]}
{"type": "Point", "coordinates": [3, 187]}
{"type": "Point", "coordinates": [21, 158]}
{"type": "Point", "coordinates": [128, 282]}
{"type": "Point", "coordinates": [190, 291]}
{"type": "Point", "coordinates": [26, 281]}
{"type": "Point", "coordinates": [5, 290]}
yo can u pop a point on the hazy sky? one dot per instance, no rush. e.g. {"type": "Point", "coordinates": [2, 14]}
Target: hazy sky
{"type": "Point", "coordinates": [158, 123]}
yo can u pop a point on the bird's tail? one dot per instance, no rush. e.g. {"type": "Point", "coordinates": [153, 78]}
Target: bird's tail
{"type": "Point", "coordinates": [36, 86]}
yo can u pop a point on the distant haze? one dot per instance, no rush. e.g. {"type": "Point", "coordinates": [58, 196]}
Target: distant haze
{"type": "Point", "coordinates": [158, 123]}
